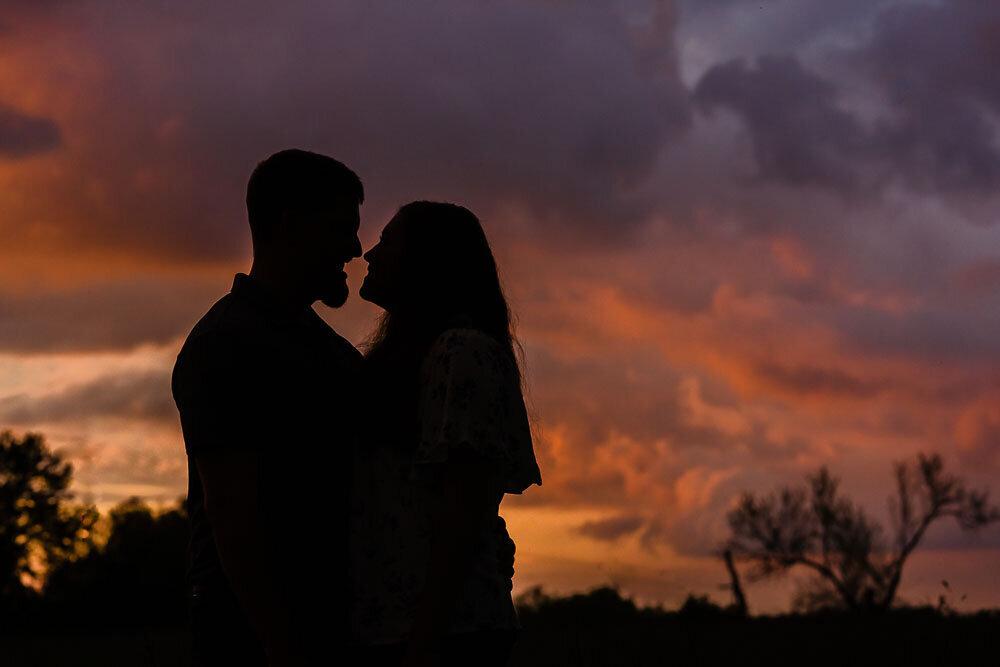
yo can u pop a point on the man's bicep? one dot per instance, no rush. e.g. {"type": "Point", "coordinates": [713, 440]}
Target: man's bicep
{"type": "Point", "coordinates": [222, 399]}
{"type": "Point", "coordinates": [230, 480]}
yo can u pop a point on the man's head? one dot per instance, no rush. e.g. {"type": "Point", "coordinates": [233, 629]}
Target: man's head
{"type": "Point", "coordinates": [303, 211]}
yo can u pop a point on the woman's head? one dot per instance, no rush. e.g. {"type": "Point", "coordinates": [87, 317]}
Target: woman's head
{"type": "Point", "coordinates": [431, 270]}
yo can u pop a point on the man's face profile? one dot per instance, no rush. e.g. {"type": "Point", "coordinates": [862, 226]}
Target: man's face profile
{"type": "Point", "coordinates": [327, 241]}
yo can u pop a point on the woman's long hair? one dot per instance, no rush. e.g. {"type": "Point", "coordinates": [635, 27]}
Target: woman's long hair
{"type": "Point", "coordinates": [449, 280]}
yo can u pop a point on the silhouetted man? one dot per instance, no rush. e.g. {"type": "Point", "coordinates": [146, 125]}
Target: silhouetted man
{"type": "Point", "coordinates": [264, 389]}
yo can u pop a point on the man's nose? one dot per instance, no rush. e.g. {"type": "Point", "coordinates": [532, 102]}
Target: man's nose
{"type": "Point", "coordinates": [356, 249]}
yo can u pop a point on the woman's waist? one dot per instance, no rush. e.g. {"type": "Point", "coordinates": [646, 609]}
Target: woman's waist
{"type": "Point", "coordinates": [387, 620]}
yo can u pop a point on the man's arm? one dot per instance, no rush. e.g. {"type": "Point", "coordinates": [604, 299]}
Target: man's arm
{"type": "Point", "coordinates": [465, 497]}
{"type": "Point", "coordinates": [230, 480]}
{"type": "Point", "coordinates": [505, 552]}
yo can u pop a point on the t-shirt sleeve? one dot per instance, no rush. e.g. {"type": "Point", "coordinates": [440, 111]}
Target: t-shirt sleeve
{"type": "Point", "coordinates": [471, 405]}
{"type": "Point", "coordinates": [222, 406]}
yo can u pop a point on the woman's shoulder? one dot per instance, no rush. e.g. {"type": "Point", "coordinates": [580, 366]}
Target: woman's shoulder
{"type": "Point", "coordinates": [463, 342]}
{"type": "Point", "coordinates": [466, 352]}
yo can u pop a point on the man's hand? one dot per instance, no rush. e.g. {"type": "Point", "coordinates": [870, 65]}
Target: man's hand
{"type": "Point", "coordinates": [505, 553]}
{"type": "Point", "coordinates": [422, 651]}
{"type": "Point", "coordinates": [231, 483]}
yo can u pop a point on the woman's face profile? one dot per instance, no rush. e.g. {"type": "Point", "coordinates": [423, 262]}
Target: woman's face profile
{"type": "Point", "coordinates": [385, 267]}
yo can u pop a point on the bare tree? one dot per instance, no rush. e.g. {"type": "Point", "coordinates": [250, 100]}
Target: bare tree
{"type": "Point", "coordinates": [734, 586]}
{"type": "Point", "coordinates": [817, 529]}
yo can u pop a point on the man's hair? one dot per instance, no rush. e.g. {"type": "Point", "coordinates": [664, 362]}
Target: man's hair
{"type": "Point", "coordinates": [296, 180]}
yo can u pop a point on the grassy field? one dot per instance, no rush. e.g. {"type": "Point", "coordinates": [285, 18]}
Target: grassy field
{"type": "Point", "coordinates": [603, 629]}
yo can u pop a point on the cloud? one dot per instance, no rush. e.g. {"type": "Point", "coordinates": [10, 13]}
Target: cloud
{"type": "Point", "coordinates": [815, 380]}
{"type": "Point", "coordinates": [935, 334]}
{"type": "Point", "coordinates": [981, 277]}
{"type": "Point", "coordinates": [932, 104]}
{"type": "Point", "coordinates": [23, 135]}
{"type": "Point", "coordinates": [108, 472]}
{"type": "Point", "coordinates": [610, 530]}
{"type": "Point", "coordinates": [115, 315]}
{"type": "Point", "coordinates": [137, 395]}
{"type": "Point", "coordinates": [977, 433]}
{"type": "Point", "coordinates": [560, 112]}
{"type": "Point", "coordinates": [716, 31]}
{"type": "Point", "coordinates": [800, 136]}
{"type": "Point", "coordinates": [635, 395]}
{"type": "Point", "coordinates": [936, 64]}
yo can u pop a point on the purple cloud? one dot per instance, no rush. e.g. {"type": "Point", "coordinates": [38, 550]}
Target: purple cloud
{"type": "Point", "coordinates": [103, 316]}
{"type": "Point", "coordinates": [23, 135]}
{"type": "Point", "coordinates": [936, 63]}
{"type": "Point", "coordinates": [611, 530]}
{"type": "Point", "coordinates": [555, 111]}
{"type": "Point", "coordinates": [800, 135]}
{"type": "Point", "coordinates": [137, 395]}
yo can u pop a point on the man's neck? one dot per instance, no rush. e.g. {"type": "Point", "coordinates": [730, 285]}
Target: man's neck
{"type": "Point", "coordinates": [280, 285]}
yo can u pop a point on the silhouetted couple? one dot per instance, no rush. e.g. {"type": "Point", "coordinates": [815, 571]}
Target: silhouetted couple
{"type": "Point", "coordinates": [344, 508]}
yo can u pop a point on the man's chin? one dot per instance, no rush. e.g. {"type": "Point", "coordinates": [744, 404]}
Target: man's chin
{"type": "Point", "coordinates": [336, 300]}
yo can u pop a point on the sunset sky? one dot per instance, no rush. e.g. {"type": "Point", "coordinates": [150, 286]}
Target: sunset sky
{"type": "Point", "coordinates": [743, 239]}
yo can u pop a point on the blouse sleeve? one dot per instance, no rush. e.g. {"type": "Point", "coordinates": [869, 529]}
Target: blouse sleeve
{"type": "Point", "coordinates": [471, 405]}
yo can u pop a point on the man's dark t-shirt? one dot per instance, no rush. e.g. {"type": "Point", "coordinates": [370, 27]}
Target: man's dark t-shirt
{"type": "Point", "coordinates": [257, 375]}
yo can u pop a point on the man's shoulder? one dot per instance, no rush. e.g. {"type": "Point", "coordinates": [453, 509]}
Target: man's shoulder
{"type": "Point", "coordinates": [227, 316]}
{"type": "Point", "coordinates": [345, 351]}
{"type": "Point", "coordinates": [222, 338]}
{"type": "Point", "coordinates": [229, 323]}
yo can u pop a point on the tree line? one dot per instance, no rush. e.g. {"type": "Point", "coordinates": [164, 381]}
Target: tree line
{"type": "Point", "coordinates": [61, 562]}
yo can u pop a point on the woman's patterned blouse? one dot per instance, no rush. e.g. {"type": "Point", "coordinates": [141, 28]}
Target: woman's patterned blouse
{"type": "Point", "coordinates": [470, 405]}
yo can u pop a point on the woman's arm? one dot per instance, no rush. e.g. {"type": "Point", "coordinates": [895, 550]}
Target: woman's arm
{"type": "Point", "coordinates": [466, 496]}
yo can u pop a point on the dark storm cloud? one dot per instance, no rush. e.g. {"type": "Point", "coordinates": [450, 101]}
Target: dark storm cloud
{"type": "Point", "coordinates": [937, 64]}
{"type": "Point", "coordinates": [138, 395]}
{"type": "Point", "coordinates": [22, 134]}
{"type": "Point", "coordinates": [821, 381]}
{"type": "Point", "coordinates": [104, 316]}
{"type": "Point", "coordinates": [931, 335]}
{"type": "Point", "coordinates": [728, 29]}
{"type": "Point", "coordinates": [603, 488]}
{"type": "Point", "coordinates": [800, 136]}
{"type": "Point", "coordinates": [610, 530]}
{"type": "Point", "coordinates": [560, 111]}
{"type": "Point", "coordinates": [933, 65]}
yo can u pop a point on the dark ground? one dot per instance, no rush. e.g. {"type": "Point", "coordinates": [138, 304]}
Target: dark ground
{"type": "Point", "coordinates": [603, 629]}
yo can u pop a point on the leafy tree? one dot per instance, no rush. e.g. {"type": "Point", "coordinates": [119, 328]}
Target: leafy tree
{"type": "Point", "coordinates": [136, 578]}
{"type": "Point", "coordinates": [818, 529]}
{"type": "Point", "coordinates": [38, 527]}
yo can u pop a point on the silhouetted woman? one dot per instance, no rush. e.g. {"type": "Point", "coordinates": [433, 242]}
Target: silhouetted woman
{"type": "Point", "coordinates": [447, 436]}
